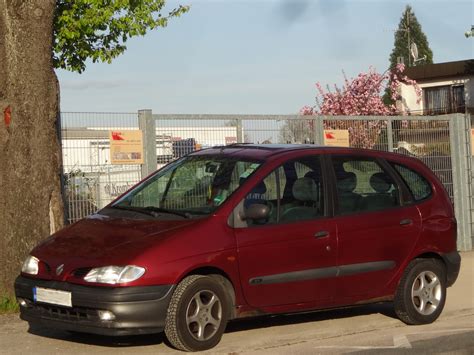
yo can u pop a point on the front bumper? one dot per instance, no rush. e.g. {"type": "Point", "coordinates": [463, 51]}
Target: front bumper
{"type": "Point", "coordinates": [137, 310]}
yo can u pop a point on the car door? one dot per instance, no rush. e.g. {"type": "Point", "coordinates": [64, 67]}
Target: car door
{"type": "Point", "coordinates": [290, 257]}
{"type": "Point", "coordinates": [376, 231]}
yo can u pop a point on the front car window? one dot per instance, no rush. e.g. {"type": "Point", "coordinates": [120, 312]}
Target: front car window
{"type": "Point", "coordinates": [192, 185]}
{"type": "Point", "coordinates": [292, 192]}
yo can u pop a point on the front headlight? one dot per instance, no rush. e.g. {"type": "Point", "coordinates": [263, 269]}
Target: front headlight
{"type": "Point", "coordinates": [114, 274]}
{"type": "Point", "coordinates": [30, 266]}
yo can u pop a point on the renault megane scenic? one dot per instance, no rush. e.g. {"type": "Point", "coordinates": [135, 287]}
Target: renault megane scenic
{"type": "Point", "coordinates": [244, 230]}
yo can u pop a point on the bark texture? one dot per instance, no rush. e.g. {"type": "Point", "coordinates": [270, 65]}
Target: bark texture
{"type": "Point", "coordinates": [30, 153]}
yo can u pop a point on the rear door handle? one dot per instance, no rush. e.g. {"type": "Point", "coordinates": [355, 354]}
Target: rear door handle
{"type": "Point", "coordinates": [321, 234]}
{"type": "Point", "coordinates": [406, 222]}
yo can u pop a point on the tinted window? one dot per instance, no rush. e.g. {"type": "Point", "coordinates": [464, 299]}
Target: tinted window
{"type": "Point", "coordinates": [294, 192]}
{"type": "Point", "coordinates": [362, 185]}
{"type": "Point", "coordinates": [418, 185]}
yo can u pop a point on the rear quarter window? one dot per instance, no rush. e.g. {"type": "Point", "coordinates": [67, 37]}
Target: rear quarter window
{"type": "Point", "coordinates": [419, 186]}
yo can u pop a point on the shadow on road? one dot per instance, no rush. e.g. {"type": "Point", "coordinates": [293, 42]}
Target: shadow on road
{"type": "Point", "coordinates": [100, 340]}
{"type": "Point", "coordinates": [234, 326]}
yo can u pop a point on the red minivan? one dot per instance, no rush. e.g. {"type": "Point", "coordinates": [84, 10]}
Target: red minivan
{"type": "Point", "coordinates": [245, 230]}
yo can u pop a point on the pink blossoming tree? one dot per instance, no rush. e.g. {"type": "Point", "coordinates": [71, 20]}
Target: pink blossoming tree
{"type": "Point", "coordinates": [361, 96]}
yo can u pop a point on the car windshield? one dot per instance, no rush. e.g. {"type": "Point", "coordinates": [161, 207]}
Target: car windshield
{"type": "Point", "coordinates": [193, 185]}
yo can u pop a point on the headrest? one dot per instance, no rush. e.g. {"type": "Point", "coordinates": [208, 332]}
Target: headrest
{"type": "Point", "coordinates": [380, 182]}
{"type": "Point", "coordinates": [261, 188]}
{"type": "Point", "coordinates": [313, 175]}
{"type": "Point", "coordinates": [305, 189]}
{"type": "Point", "coordinates": [347, 182]}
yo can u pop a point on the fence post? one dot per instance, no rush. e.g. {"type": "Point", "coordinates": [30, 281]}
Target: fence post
{"type": "Point", "coordinates": [147, 125]}
{"type": "Point", "coordinates": [318, 130]}
{"type": "Point", "coordinates": [459, 156]}
{"type": "Point", "coordinates": [240, 133]}
{"type": "Point", "coordinates": [470, 177]}
{"type": "Point", "coordinates": [390, 134]}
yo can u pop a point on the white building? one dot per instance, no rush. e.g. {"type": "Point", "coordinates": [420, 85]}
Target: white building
{"type": "Point", "coordinates": [446, 88]}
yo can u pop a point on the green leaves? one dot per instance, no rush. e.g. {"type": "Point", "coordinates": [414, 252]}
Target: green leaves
{"type": "Point", "coordinates": [99, 29]}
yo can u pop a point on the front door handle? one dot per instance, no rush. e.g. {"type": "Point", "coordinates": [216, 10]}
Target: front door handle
{"type": "Point", "coordinates": [321, 234]}
{"type": "Point", "coordinates": [406, 222]}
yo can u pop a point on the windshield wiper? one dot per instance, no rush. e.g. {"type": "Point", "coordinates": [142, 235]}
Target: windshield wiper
{"type": "Point", "coordinates": [165, 210]}
{"type": "Point", "coordinates": [150, 210]}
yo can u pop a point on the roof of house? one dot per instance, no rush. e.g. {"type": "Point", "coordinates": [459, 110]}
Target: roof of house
{"type": "Point", "coordinates": [441, 70]}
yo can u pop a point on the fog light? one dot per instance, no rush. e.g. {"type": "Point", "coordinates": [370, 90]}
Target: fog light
{"type": "Point", "coordinates": [106, 315]}
{"type": "Point", "coordinates": [22, 302]}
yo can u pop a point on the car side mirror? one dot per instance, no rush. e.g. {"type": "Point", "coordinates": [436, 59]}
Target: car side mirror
{"type": "Point", "coordinates": [255, 211]}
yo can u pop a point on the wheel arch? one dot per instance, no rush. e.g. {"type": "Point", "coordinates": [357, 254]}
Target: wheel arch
{"type": "Point", "coordinates": [430, 255]}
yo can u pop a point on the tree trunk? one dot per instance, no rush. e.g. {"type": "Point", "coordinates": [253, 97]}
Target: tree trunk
{"type": "Point", "coordinates": [31, 206]}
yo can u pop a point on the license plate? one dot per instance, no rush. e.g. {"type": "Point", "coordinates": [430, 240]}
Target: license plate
{"type": "Point", "coordinates": [48, 295]}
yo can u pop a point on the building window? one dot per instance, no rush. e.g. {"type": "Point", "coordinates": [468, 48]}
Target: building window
{"type": "Point", "coordinates": [444, 99]}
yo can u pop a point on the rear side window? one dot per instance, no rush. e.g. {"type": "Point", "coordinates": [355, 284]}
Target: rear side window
{"type": "Point", "coordinates": [419, 187]}
{"type": "Point", "coordinates": [362, 185]}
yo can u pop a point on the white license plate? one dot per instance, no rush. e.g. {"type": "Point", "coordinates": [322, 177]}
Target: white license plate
{"type": "Point", "coordinates": [48, 295]}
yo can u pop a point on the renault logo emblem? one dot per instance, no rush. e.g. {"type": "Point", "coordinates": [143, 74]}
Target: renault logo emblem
{"type": "Point", "coordinates": [59, 269]}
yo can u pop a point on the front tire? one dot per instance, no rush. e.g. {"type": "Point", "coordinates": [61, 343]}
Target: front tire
{"type": "Point", "coordinates": [421, 294]}
{"type": "Point", "coordinates": [197, 314]}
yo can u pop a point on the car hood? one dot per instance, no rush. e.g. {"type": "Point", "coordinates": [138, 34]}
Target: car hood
{"type": "Point", "coordinates": [101, 240]}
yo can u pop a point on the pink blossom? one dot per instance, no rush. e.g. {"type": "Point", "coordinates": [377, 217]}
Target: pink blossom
{"type": "Point", "coordinates": [361, 96]}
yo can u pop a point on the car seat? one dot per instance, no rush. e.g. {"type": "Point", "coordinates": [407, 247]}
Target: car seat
{"type": "Point", "coordinates": [306, 192]}
{"type": "Point", "coordinates": [382, 198]}
{"type": "Point", "coordinates": [349, 201]}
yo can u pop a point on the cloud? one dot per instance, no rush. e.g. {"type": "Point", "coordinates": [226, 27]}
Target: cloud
{"type": "Point", "coordinates": [290, 11]}
{"type": "Point", "coordinates": [328, 8]}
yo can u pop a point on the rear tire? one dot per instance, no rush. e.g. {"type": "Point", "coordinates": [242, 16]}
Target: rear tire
{"type": "Point", "coordinates": [421, 294]}
{"type": "Point", "coordinates": [197, 314]}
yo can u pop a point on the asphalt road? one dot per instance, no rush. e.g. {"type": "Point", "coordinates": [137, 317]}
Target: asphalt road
{"type": "Point", "coordinates": [372, 329]}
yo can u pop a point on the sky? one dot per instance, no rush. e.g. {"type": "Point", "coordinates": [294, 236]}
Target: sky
{"type": "Point", "coordinates": [259, 56]}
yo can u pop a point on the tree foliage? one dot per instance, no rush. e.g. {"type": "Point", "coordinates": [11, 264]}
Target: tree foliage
{"type": "Point", "coordinates": [99, 29]}
{"type": "Point", "coordinates": [409, 31]}
{"type": "Point", "coordinates": [410, 28]}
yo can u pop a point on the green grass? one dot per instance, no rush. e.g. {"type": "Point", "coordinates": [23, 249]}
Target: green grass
{"type": "Point", "coordinates": [8, 304]}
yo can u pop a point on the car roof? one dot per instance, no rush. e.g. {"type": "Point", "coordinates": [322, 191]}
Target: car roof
{"type": "Point", "coordinates": [264, 151]}
{"type": "Point", "coordinates": [251, 150]}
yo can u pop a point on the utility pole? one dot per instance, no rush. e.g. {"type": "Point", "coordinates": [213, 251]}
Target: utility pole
{"type": "Point", "coordinates": [408, 37]}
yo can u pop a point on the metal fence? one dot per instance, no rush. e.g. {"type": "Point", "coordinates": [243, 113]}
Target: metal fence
{"type": "Point", "coordinates": [427, 138]}
{"type": "Point", "coordinates": [90, 180]}
{"type": "Point", "coordinates": [442, 142]}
